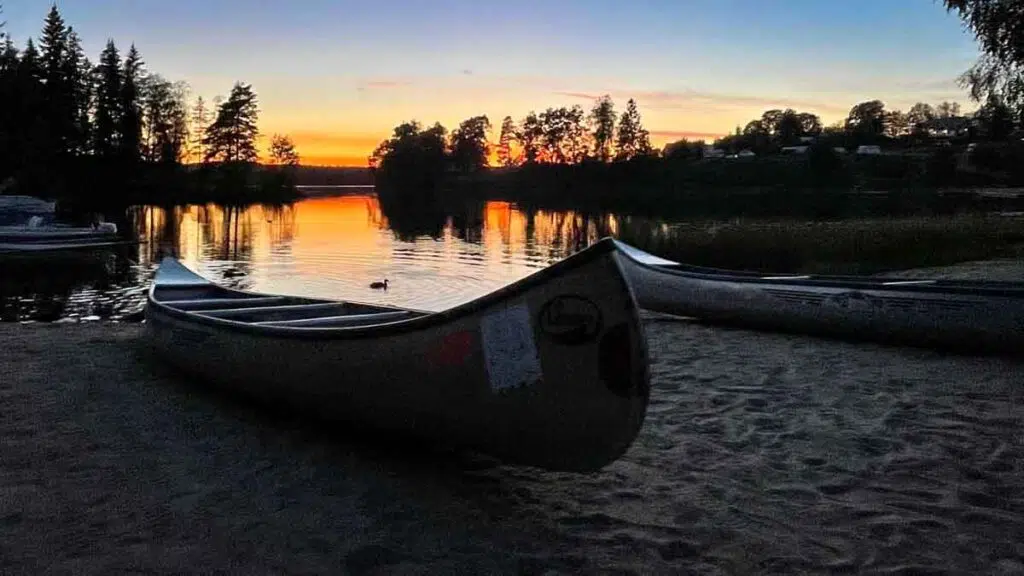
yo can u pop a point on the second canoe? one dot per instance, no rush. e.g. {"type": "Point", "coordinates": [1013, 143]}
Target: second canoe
{"type": "Point", "coordinates": [975, 316]}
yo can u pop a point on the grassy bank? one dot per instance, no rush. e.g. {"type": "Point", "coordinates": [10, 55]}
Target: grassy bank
{"type": "Point", "coordinates": [861, 246]}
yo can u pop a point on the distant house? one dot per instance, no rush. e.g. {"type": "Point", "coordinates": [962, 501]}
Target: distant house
{"type": "Point", "coordinates": [794, 149]}
{"type": "Point", "coordinates": [712, 152]}
{"type": "Point", "coordinates": [869, 150]}
{"type": "Point", "coordinates": [952, 127]}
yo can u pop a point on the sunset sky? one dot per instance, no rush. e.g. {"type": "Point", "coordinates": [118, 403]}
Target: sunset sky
{"type": "Point", "coordinates": [337, 75]}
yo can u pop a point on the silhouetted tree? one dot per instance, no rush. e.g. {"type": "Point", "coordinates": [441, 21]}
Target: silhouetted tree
{"type": "Point", "coordinates": [164, 113]}
{"type": "Point", "coordinates": [82, 85]}
{"type": "Point", "coordinates": [412, 163]}
{"type": "Point", "coordinates": [199, 120]}
{"type": "Point", "coordinates": [531, 136]}
{"type": "Point", "coordinates": [282, 151]}
{"type": "Point", "coordinates": [683, 150]}
{"type": "Point", "coordinates": [130, 145]}
{"type": "Point", "coordinates": [469, 147]}
{"type": "Point", "coordinates": [810, 124]}
{"type": "Point", "coordinates": [633, 140]}
{"type": "Point", "coordinates": [107, 133]}
{"type": "Point", "coordinates": [919, 115]}
{"type": "Point", "coordinates": [564, 135]}
{"type": "Point", "coordinates": [897, 124]}
{"type": "Point", "coordinates": [789, 128]}
{"type": "Point", "coordinates": [505, 139]}
{"type": "Point", "coordinates": [284, 161]}
{"type": "Point", "coordinates": [995, 118]}
{"type": "Point", "coordinates": [867, 119]}
{"type": "Point", "coordinates": [770, 121]}
{"type": "Point", "coordinates": [947, 110]}
{"type": "Point", "coordinates": [232, 136]}
{"type": "Point", "coordinates": [602, 122]}
{"type": "Point", "coordinates": [997, 28]}
{"type": "Point", "coordinates": [58, 90]}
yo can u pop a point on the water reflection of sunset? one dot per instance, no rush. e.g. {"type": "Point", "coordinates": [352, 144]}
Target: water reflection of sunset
{"type": "Point", "coordinates": [334, 247]}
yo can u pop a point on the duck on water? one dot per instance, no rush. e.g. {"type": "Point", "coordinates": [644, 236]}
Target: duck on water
{"type": "Point", "coordinates": [380, 285]}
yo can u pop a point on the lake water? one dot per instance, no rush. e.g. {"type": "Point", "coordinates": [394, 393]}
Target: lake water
{"type": "Point", "coordinates": [331, 247]}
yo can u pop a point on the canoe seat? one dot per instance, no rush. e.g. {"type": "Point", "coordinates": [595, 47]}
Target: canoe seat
{"type": "Point", "coordinates": [295, 311]}
{"type": "Point", "coordinates": [223, 303]}
{"type": "Point", "coordinates": [345, 320]}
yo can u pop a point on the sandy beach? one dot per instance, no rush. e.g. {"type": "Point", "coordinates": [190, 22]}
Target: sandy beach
{"type": "Point", "coordinates": [761, 454]}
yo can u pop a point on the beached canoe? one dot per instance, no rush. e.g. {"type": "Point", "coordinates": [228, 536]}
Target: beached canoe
{"type": "Point", "coordinates": [550, 371]}
{"type": "Point", "coordinates": [953, 314]}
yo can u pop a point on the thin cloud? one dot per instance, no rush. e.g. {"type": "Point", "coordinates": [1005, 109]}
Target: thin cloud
{"type": "Point", "coordinates": [384, 84]}
{"type": "Point", "coordinates": [684, 99]}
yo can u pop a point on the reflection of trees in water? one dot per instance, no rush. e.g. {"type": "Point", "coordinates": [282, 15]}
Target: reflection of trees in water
{"type": "Point", "coordinates": [281, 222]}
{"type": "Point", "coordinates": [409, 215]}
{"type": "Point", "coordinates": [225, 233]}
{"type": "Point", "coordinates": [467, 224]}
{"type": "Point", "coordinates": [564, 233]}
{"type": "Point", "coordinates": [157, 229]}
{"type": "Point", "coordinates": [235, 242]}
{"type": "Point", "coordinates": [644, 233]}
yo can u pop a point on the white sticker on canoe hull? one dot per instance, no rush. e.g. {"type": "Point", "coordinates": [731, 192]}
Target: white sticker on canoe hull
{"type": "Point", "coordinates": [509, 350]}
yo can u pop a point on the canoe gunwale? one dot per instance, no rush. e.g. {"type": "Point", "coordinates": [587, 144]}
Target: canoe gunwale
{"type": "Point", "coordinates": [425, 320]}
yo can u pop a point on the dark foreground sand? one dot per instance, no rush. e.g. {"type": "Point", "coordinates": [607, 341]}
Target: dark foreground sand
{"type": "Point", "coordinates": [761, 454]}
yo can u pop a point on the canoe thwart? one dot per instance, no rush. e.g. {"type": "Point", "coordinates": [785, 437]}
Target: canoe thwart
{"type": "Point", "coordinates": [343, 320]}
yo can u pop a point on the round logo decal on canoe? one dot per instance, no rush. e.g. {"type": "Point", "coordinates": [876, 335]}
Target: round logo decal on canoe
{"type": "Point", "coordinates": [570, 320]}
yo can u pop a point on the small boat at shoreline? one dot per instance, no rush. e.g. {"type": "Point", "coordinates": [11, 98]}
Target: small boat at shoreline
{"type": "Point", "coordinates": [35, 237]}
{"type": "Point", "coordinates": [969, 315]}
{"type": "Point", "coordinates": [550, 371]}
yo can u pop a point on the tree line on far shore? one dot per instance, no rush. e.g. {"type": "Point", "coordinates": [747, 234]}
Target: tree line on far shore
{"type": "Point", "coordinates": [564, 135]}
{"type": "Point", "coordinates": [113, 132]}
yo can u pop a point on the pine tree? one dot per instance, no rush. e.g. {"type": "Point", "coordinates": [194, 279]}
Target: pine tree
{"type": "Point", "coordinates": [508, 134]}
{"type": "Point", "coordinates": [107, 129]}
{"type": "Point", "coordinates": [8, 111]}
{"type": "Point", "coordinates": [633, 140]}
{"type": "Point", "coordinates": [30, 128]}
{"type": "Point", "coordinates": [130, 146]}
{"type": "Point", "coordinates": [58, 89]}
{"type": "Point", "coordinates": [82, 88]}
{"type": "Point", "coordinates": [602, 121]}
{"type": "Point", "coordinates": [54, 45]}
{"type": "Point", "coordinates": [199, 119]}
{"type": "Point", "coordinates": [232, 136]}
